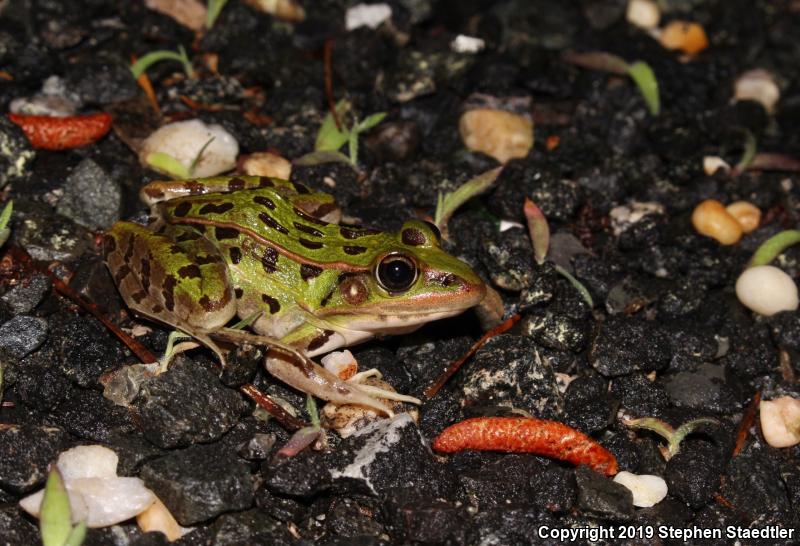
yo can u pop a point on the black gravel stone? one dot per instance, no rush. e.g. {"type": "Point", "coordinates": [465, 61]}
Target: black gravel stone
{"type": "Point", "coordinates": [24, 297]}
{"type": "Point", "coordinates": [702, 389]}
{"type": "Point", "coordinates": [86, 414]}
{"type": "Point", "coordinates": [200, 482]}
{"type": "Point", "coordinates": [627, 345]}
{"type": "Point", "coordinates": [587, 405]}
{"type": "Point", "coordinates": [102, 81]}
{"type": "Point", "coordinates": [693, 474]}
{"type": "Point", "coordinates": [251, 527]}
{"type": "Point", "coordinates": [26, 453]}
{"type": "Point", "coordinates": [91, 197]}
{"type": "Point", "coordinates": [22, 335]}
{"type": "Point", "coordinates": [639, 396]}
{"type": "Point", "coordinates": [412, 517]}
{"type": "Point", "coordinates": [187, 405]}
{"type": "Point", "coordinates": [600, 496]}
{"type": "Point", "coordinates": [16, 527]}
{"type": "Point", "coordinates": [86, 349]}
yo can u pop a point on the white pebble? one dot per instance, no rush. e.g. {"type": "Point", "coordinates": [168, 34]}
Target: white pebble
{"type": "Point", "coordinates": [183, 141]}
{"type": "Point", "coordinates": [757, 85]}
{"type": "Point", "coordinates": [96, 494]}
{"type": "Point", "coordinates": [648, 490]}
{"type": "Point", "coordinates": [780, 421]}
{"type": "Point", "coordinates": [766, 290]}
{"type": "Point", "coordinates": [713, 163]}
{"type": "Point", "coordinates": [341, 363]}
{"type": "Point", "coordinates": [467, 44]}
{"type": "Point", "coordinates": [643, 13]}
{"type": "Point", "coordinates": [367, 15]}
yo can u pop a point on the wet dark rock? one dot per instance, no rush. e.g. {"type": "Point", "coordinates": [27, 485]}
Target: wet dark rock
{"type": "Point", "coordinates": [26, 453]}
{"type": "Point", "coordinates": [303, 475]}
{"type": "Point", "coordinates": [685, 297]}
{"type": "Point", "coordinates": [786, 329]}
{"type": "Point", "coordinates": [50, 237]}
{"type": "Point", "coordinates": [557, 331]}
{"type": "Point", "coordinates": [199, 483]}
{"type": "Point", "coordinates": [258, 447]}
{"type": "Point", "coordinates": [86, 414]}
{"type": "Point", "coordinates": [639, 396]}
{"type": "Point", "coordinates": [393, 141]}
{"type": "Point", "coordinates": [600, 496]}
{"type": "Point", "coordinates": [242, 365]}
{"type": "Point", "coordinates": [91, 197]}
{"type": "Point", "coordinates": [412, 517]}
{"type": "Point", "coordinates": [508, 371]}
{"type": "Point", "coordinates": [509, 260]}
{"type": "Point", "coordinates": [510, 525]}
{"type": "Point", "coordinates": [133, 451]}
{"type": "Point", "coordinates": [366, 463]}
{"type": "Point", "coordinates": [86, 349]}
{"type": "Point", "coordinates": [555, 489]}
{"type": "Point", "coordinates": [627, 345]}
{"type": "Point", "coordinates": [251, 527]}
{"type": "Point", "coordinates": [16, 527]}
{"type": "Point", "coordinates": [16, 154]}
{"type": "Point", "coordinates": [498, 480]}
{"type": "Point", "coordinates": [38, 383]}
{"type": "Point", "coordinates": [279, 507]}
{"type": "Point", "coordinates": [187, 405]}
{"type": "Point", "coordinates": [427, 360]}
{"type": "Point", "coordinates": [102, 81]}
{"type": "Point", "coordinates": [24, 297]}
{"type": "Point", "coordinates": [22, 335]}
{"type": "Point", "coordinates": [702, 389]}
{"type": "Point", "coordinates": [587, 404]}
{"type": "Point", "coordinates": [353, 518]}
{"type": "Point", "coordinates": [750, 358]}
{"type": "Point", "coordinates": [693, 474]}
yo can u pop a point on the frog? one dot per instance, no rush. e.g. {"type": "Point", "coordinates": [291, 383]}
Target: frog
{"type": "Point", "coordinates": [276, 254]}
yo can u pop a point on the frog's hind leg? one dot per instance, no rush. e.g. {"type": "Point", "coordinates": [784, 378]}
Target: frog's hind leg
{"type": "Point", "coordinates": [177, 277]}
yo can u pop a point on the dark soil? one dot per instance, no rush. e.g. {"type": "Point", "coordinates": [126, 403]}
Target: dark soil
{"type": "Point", "coordinates": [666, 336]}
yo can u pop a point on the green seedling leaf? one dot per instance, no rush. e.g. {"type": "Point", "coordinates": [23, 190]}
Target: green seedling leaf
{"type": "Point", "coordinates": [448, 203]}
{"type": "Point", "coordinates": [311, 408]}
{"type": "Point", "coordinates": [748, 151]}
{"type": "Point", "coordinates": [673, 436]}
{"type": "Point", "coordinates": [5, 218]}
{"type": "Point", "coordinates": [538, 230]}
{"type": "Point", "coordinates": [199, 156]}
{"type": "Point", "coordinates": [597, 60]}
{"type": "Point", "coordinates": [352, 147]}
{"type": "Point", "coordinates": [55, 521]}
{"type": "Point", "coordinates": [645, 79]}
{"type": "Point", "coordinates": [370, 122]}
{"type": "Point", "coordinates": [244, 323]}
{"type": "Point", "coordinates": [213, 11]}
{"type": "Point", "coordinates": [77, 536]}
{"type": "Point", "coordinates": [772, 247]}
{"type": "Point", "coordinates": [170, 352]}
{"type": "Point", "coordinates": [140, 66]}
{"type": "Point", "coordinates": [320, 157]}
{"type": "Point", "coordinates": [168, 164]}
{"type": "Point", "coordinates": [578, 285]}
{"type": "Point", "coordinates": [685, 429]}
{"type": "Point", "coordinates": [330, 137]}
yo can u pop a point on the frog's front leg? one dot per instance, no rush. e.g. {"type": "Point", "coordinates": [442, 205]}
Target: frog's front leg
{"type": "Point", "coordinates": [176, 277]}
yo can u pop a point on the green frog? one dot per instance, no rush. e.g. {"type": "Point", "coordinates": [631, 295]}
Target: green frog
{"type": "Point", "coordinates": [272, 250]}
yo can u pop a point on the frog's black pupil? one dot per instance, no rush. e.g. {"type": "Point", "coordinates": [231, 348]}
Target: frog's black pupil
{"type": "Point", "coordinates": [396, 273]}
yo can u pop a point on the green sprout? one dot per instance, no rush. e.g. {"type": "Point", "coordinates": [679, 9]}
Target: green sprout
{"type": "Point", "coordinates": [748, 151]}
{"type": "Point", "coordinates": [639, 71]}
{"type": "Point", "coordinates": [673, 436]}
{"type": "Point", "coordinates": [448, 203]}
{"type": "Point", "coordinates": [139, 67]}
{"type": "Point", "coordinates": [5, 218]}
{"type": "Point", "coordinates": [772, 247]}
{"type": "Point", "coordinates": [306, 435]}
{"type": "Point", "coordinates": [331, 138]}
{"type": "Point", "coordinates": [55, 518]}
{"type": "Point", "coordinates": [173, 350]}
{"type": "Point", "coordinates": [165, 163]}
{"type": "Point", "coordinates": [213, 11]}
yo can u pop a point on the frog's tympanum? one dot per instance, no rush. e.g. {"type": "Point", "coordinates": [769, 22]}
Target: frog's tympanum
{"type": "Point", "coordinates": [261, 247]}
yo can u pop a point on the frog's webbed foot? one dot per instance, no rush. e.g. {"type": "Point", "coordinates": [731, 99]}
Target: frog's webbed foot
{"type": "Point", "coordinates": [309, 377]}
{"type": "Point", "coordinates": [378, 392]}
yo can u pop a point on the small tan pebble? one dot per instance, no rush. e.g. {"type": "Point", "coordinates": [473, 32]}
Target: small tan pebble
{"type": "Point", "coordinates": [684, 35]}
{"type": "Point", "coordinates": [266, 164]}
{"type": "Point", "coordinates": [497, 133]}
{"type": "Point", "coordinates": [287, 10]}
{"type": "Point", "coordinates": [189, 13]}
{"type": "Point", "coordinates": [713, 163]}
{"type": "Point", "coordinates": [747, 214]}
{"type": "Point", "coordinates": [766, 290]}
{"type": "Point", "coordinates": [159, 518]}
{"type": "Point", "coordinates": [643, 13]}
{"type": "Point", "coordinates": [780, 421]}
{"type": "Point", "coordinates": [758, 85]}
{"type": "Point", "coordinates": [712, 220]}
{"type": "Point", "coordinates": [341, 363]}
{"type": "Point", "coordinates": [647, 489]}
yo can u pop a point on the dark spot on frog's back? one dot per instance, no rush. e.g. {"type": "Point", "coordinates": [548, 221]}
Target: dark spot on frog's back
{"type": "Point", "coordinates": [139, 296]}
{"type": "Point", "coordinates": [302, 189]}
{"type": "Point", "coordinates": [309, 218]}
{"type": "Point", "coordinates": [235, 254]}
{"type": "Point", "coordinates": [308, 229]}
{"type": "Point", "coordinates": [270, 260]}
{"type": "Point", "coordinates": [215, 208]}
{"type": "Point", "coordinates": [168, 292]}
{"type": "Point", "coordinates": [308, 271]}
{"type": "Point", "coordinates": [235, 184]}
{"type": "Point", "coordinates": [205, 259]}
{"type": "Point", "coordinates": [191, 271]}
{"type": "Point", "coordinates": [109, 244]}
{"type": "Point", "coordinates": [274, 305]}
{"type": "Point", "coordinates": [413, 237]}
{"type": "Point", "coordinates": [187, 235]}
{"type": "Point", "coordinates": [354, 233]}
{"type": "Point", "coordinates": [238, 292]}
{"type": "Point", "coordinates": [265, 201]}
{"type": "Point", "coordinates": [313, 245]}
{"type": "Point", "coordinates": [225, 233]}
{"type": "Point", "coordinates": [144, 273]}
{"type": "Point", "coordinates": [121, 273]}
{"type": "Point", "coordinates": [271, 222]}
{"type": "Point", "coordinates": [265, 182]}
{"type": "Point", "coordinates": [182, 209]}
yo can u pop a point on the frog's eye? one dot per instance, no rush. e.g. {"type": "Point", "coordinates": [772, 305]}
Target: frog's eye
{"type": "Point", "coordinates": [396, 272]}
